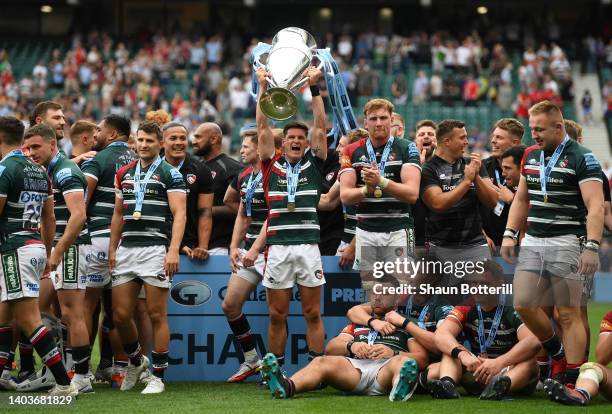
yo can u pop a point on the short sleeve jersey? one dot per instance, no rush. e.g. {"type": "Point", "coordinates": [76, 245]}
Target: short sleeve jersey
{"type": "Point", "coordinates": [198, 180]}
{"type": "Point", "coordinates": [155, 224]}
{"type": "Point", "coordinates": [605, 327]}
{"type": "Point", "coordinates": [460, 225]}
{"type": "Point", "coordinates": [259, 209]}
{"type": "Point", "coordinates": [300, 226]}
{"type": "Point", "coordinates": [386, 213]}
{"type": "Point", "coordinates": [350, 223]}
{"type": "Point", "coordinates": [25, 186]}
{"type": "Point", "coordinates": [223, 168]}
{"type": "Point", "coordinates": [506, 338]}
{"type": "Point", "coordinates": [398, 340]}
{"type": "Point", "coordinates": [66, 178]}
{"type": "Point", "coordinates": [564, 212]}
{"type": "Point", "coordinates": [103, 168]}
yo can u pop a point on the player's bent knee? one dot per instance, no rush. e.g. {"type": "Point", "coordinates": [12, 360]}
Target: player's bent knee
{"type": "Point", "coordinates": [568, 315]}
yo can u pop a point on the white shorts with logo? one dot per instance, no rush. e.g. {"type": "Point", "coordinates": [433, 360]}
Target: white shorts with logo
{"type": "Point", "coordinates": [20, 272]}
{"type": "Point", "coordinates": [71, 273]}
{"type": "Point", "coordinates": [551, 256]}
{"type": "Point", "coordinates": [289, 265]}
{"type": "Point", "coordinates": [388, 246]}
{"type": "Point", "coordinates": [96, 256]}
{"type": "Point", "coordinates": [368, 384]}
{"type": "Point", "coordinates": [144, 263]}
{"type": "Point", "coordinates": [253, 274]}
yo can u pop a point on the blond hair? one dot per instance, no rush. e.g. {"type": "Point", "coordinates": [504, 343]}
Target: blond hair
{"type": "Point", "coordinates": [513, 126]}
{"type": "Point", "coordinates": [545, 107]}
{"type": "Point", "coordinates": [79, 128]}
{"type": "Point", "coordinates": [357, 134]}
{"type": "Point", "coordinates": [573, 129]}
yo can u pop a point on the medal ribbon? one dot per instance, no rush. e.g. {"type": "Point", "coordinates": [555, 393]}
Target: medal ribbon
{"type": "Point", "coordinates": [117, 144]}
{"type": "Point", "coordinates": [141, 187]}
{"type": "Point", "coordinates": [500, 180]}
{"type": "Point", "coordinates": [383, 158]}
{"type": "Point", "coordinates": [250, 191]}
{"type": "Point", "coordinates": [372, 335]}
{"type": "Point", "coordinates": [545, 169]}
{"type": "Point", "coordinates": [293, 176]}
{"type": "Point", "coordinates": [486, 342]}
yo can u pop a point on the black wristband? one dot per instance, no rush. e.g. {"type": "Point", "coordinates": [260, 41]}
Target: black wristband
{"type": "Point", "coordinates": [456, 351]}
{"type": "Point", "coordinates": [314, 90]}
{"type": "Point", "coordinates": [405, 323]}
{"type": "Point", "coordinates": [349, 344]}
{"type": "Point", "coordinates": [370, 322]}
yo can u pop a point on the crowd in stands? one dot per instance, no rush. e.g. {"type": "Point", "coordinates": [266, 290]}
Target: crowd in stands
{"type": "Point", "coordinates": [209, 78]}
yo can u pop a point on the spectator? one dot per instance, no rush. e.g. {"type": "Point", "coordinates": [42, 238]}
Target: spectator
{"type": "Point", "coordinates": [436, 86]}
{"type": "Point", "coordinates": [587, 107]}
{"type": "Point", "coordinates": [420, 88]}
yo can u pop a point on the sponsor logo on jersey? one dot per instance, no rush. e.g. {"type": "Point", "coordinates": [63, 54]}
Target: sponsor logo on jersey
{"type": "Point", "coordinates": [191, 178]}
{"type": "Point", "coordinates": [63, 176]}
{"type": "Point", "coordinates": [214, 174]}
{"type": "Point", "coordinates": [329, 176]}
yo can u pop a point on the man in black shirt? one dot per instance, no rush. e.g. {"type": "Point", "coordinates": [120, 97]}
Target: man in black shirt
{"type": "Point", "coordinates": [425, 140]}
{"type": "Point", "coordinates": [331, 222]}
{"type": "Point", "coordinates": [199, 182]}
{"type": "Point", "coordinates": [453, 188]}
{"type": "Point", "coordinates": [507, 133]}
{"type": "Point", "coordinates": [207, 144]}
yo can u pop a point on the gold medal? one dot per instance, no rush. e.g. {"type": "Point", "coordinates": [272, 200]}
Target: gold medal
{"type": "Point", "coordinates": [136, 215]}
{"type": "Point", "coordinates": [291, 207]}
{"type": "Point", "coordinates": [378, 192]}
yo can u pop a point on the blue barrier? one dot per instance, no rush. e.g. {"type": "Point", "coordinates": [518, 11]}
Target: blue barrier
{"type": "Point", "coordinates": [201, 344]}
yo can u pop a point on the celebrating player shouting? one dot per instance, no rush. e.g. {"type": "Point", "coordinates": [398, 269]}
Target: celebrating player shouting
{"type": "Point", "coordinates": [149, 220]}
{"type": "Point", "coordinates": [292, 184]}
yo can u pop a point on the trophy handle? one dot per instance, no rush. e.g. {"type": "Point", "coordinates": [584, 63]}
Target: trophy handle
{"type": "Point", "coordinates": [305, 79]}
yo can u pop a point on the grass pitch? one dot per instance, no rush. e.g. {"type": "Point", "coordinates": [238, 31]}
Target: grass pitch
{"type": "Point", "coordinates": [247, 398]}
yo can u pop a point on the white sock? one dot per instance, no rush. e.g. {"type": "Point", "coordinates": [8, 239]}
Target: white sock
{"type": "Point", "coordinates": [251, 356]}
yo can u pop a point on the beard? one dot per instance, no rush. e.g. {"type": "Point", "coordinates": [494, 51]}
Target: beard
{"type": "Point", "coordinates": [204, 151]}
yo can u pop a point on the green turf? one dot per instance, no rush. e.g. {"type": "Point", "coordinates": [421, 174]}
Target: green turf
{"type": "Point", "coordinates": [248, 398]}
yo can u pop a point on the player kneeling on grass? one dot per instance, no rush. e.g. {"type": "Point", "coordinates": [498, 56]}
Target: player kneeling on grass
{"type": "Point", "coordinates": [594, 377]}
{"type": "Point", "coordinates": [506, 349]}
{"type": "Point", "coordinates": [149, 219]}
{"type": "Point", "coordinates": [358, 361]}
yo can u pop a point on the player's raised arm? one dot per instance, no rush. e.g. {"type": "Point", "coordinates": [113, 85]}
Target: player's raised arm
{"type": "Point", "coordinates": [264, 132]}
{"type": "Point", "coordinates": [318, 138]}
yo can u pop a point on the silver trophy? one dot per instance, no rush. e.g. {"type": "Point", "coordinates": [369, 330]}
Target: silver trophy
{"type": "Point", "coordinates": [293, 51]}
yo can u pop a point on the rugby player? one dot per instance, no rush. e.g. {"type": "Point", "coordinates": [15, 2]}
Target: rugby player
{"type": "Point", "coordinates": [67, 262]}
{"type": "Point", "coordinates": [27, 227]}
{"type": "Point", "coordinates": [199, 182]}
{"type": "Point", "coordinates": [560, 208]}
{"type": "Point", "coordinates": [292, 184]}
{"type": "Point", "coordinates": [454, 189]}
{"type": "Point", "coordinates": [359, 360]}
{"type": "Point", "coordinates": [207, 144]}
{"type": "Point", "coordinates": [82, 136]}
{"type": "Point", "coordinates": [397, 125]}
{"type": "Point", "coordinates": [425, 140]}
{"type": "Point", "coordinates": [149, 220]}
{"type": "Point", "coordinates": [507, 133]}
{"type": "Point", "coordinates": [501, 358]}
{"type": "Point", "coordinates": [252, 214]}
{"type": "Point", "coordinates": [381, 175]}
{"type": "Point", "coordinates": [112, 154]}
{"type": "Point", "coordinates": [594, 377]}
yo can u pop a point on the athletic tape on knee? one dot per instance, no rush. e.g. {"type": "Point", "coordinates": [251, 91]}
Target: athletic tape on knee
{"type": "Point", "coordinates": [591, 371]}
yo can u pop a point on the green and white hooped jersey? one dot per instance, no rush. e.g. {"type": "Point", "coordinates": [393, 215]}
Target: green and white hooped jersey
{"type": "Point", "coordinates": [155, 223]}
{"type": "Point", "coordinates": [103, 168]}
{"type": "Point", "coordinates": [66, 178]}
{"type": "Point", "coordinates": [564, 211]}
{"type": "Point", "coordinates": [300, 226]}
{"type": "Point", "coordinates": [26, 187]}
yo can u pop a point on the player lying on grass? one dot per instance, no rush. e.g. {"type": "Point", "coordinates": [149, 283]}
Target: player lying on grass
{"type": "Point", "coordinates": [503, 349]}
{"type": "Point", "coordinates": [594, 377]}
{"type": "Point", "coordinates": [359, 360]}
